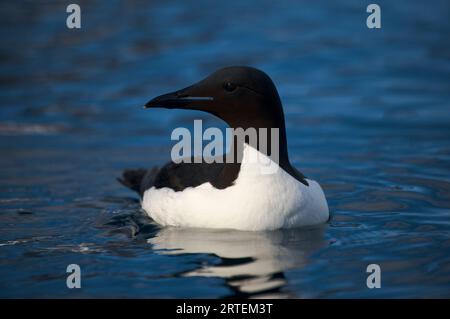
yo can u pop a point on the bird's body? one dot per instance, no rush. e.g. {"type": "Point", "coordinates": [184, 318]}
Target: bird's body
{"type": "Point", "coordinates": [255, 201]}
{"type": "Point", "coordinates": [243, 193]}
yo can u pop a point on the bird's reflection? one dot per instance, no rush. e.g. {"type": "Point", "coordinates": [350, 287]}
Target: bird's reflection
{"type": "Point", "coordinates": [252, 263]}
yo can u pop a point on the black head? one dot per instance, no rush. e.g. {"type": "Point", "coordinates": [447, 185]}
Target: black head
{"type": "Point", "coordinates": [244, 97]}
{"type": "Point", "coordinates": [241, 96]}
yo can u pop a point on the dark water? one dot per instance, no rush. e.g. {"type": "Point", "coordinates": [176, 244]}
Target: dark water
{"type": "Point", "coordinates": [367, 112]}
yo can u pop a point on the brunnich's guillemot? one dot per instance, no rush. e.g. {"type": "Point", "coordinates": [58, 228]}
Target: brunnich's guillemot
{"type": "Point", "coordinates": [236, 195]}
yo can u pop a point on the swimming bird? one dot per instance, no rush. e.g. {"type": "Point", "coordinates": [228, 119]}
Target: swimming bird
{"type": "Point", "coordinates": [236, 194]}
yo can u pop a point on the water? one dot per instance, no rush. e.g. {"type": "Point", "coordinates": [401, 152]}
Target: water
{"type": "Point", "coordinates": [367, 116]}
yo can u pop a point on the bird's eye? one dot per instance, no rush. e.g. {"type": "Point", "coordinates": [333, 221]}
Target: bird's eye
{"type": "Point", "coordinates": [228, 86]}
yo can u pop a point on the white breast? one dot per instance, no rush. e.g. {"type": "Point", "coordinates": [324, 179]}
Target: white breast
{"type": "Point", "coordinates": [258, 200]}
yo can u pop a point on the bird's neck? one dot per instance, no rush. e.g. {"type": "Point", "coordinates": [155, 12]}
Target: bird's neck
{"type": "Point", "coordinates": [270, 140]}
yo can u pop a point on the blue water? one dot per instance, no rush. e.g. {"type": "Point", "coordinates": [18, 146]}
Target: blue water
{"type": "Point", "coordinates": [367, 112]}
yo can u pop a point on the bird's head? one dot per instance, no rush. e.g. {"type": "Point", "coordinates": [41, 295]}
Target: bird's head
{"type": "Point", "coordinates": [241, 96]}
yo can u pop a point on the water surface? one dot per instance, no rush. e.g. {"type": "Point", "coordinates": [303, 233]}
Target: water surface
{"type": "Point", "coordinates": [367, 115]}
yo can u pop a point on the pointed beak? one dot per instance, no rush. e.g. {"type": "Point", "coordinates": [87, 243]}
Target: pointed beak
{"type": "Point", "coordinates": [187, 98]}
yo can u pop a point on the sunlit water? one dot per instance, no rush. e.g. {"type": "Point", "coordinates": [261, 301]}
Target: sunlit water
{"type": "Point", "coordinates": [367, 116]}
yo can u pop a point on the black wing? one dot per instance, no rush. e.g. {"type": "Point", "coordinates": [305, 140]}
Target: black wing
{"type": "Point", "coordinates": [175, 176]}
